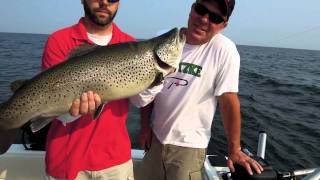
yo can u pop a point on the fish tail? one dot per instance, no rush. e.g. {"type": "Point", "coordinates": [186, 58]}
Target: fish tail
{"type": "Point", "coordinates": [7, 136]}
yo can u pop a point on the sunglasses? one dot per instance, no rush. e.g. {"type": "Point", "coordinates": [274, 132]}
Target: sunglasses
{"type": "Point", "coordinates": [213, 17]}
{"type": "Point", "coordinates": [109, 1]}
{"type": "Point", "coordinates": [112, 1]}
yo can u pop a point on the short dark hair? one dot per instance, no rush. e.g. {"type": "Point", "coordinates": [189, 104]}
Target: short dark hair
{"type": "Point", "coordinates": [226, 6]}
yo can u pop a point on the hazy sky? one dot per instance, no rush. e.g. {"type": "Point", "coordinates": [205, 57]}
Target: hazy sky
{"type": "Point", "coordinates": [277, 23]}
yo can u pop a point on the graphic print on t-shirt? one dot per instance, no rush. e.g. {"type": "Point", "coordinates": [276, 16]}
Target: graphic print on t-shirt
{"type": "Point", "coordinates": [185, 68]}
{"type": "Point", "coordinates": [188, 68]}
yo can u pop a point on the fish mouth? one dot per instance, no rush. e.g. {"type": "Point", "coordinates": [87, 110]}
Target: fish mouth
{"type": "Point", "coordinates": [180, 42]}
{"type": "Point", "coordinates": [166, 67]}
{"type": "Point", "coordinates": [169, 55]}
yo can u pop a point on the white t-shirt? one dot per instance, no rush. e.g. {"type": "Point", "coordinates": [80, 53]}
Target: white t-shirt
{"type": "Point", "coordinates": [100, 40]}
{"type": "Point", "coordinates": [183, 111]}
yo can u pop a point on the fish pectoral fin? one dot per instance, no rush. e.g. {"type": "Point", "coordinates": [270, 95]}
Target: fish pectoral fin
{"type": "Point", "coordinates": [15, 85]}
{"type": "Point", "coordinates": [39, 123]}
{"type": "Point", "coordinates": [98, 111]}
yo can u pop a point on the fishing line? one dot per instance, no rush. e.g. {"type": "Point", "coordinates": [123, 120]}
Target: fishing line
{"type": "Point", "coordinates": [294, 35]}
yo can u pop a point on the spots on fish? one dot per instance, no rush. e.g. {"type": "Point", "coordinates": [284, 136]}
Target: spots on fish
{"type": "Point", "coordinates": [129, 67]}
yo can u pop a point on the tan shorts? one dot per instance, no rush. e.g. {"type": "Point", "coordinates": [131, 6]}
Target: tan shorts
{"type": "Point", "coordinates": [170, 162]}
{"type": "Point", "coordinates": [120, 172]}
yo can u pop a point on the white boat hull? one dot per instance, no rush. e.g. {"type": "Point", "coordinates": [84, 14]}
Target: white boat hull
{"type": "Point", "coordinates": [20, 164]}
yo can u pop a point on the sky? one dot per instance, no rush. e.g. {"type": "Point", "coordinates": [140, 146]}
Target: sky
{"type": "Point", "coordinates": [274, 23]}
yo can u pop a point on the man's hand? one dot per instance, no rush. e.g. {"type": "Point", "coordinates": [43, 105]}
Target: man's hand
{"type": "Point", "coordinates": [88, 103]}
{"type": "Point", "coordinates": [238, 157]}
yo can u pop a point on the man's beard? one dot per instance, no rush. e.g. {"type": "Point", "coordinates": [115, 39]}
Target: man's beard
{"type": "Point", "coordinates": [95, 19]}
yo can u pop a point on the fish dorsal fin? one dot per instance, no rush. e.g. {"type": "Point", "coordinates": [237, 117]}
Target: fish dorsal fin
{"type": "Point", "coordinates": [15, 85]}
{"type": "Point", "coordinates": [82, 50]}
{"type": "Point", "coordinates": [39, 123]}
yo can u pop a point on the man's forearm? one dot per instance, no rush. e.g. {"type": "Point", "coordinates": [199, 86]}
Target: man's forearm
{"type": "Point", "coordinates": [145, 113]}
{"type": "Point", "coordinates": [145, 131]}
{"type": "Point", "coordinates": [230, 111]}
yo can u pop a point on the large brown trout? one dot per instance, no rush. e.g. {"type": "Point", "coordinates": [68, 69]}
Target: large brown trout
{"type": "Point", "coordinates": [114, 72]}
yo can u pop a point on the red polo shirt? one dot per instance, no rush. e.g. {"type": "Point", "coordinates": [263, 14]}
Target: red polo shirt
{"type": "Point", "coordinates": [85, 144]}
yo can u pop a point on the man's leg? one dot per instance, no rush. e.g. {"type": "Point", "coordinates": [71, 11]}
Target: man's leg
{"type": "Point", "coordinates": [151, 167]}
{"type": "Point", "coordinates": [183, 163]}
{"type": "Point", "coordinates": [120, 172]}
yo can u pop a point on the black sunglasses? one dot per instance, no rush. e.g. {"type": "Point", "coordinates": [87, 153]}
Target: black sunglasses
{"type": "Point", "coordinates": [112, 1]}
{"type": "Point", "coordinates": [213, 17]}
{"type": "Point", "coordinates": [109, 1]}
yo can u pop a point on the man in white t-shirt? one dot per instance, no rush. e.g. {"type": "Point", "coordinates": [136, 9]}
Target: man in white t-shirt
{"type": "Point", "coordinates": [184, 109]}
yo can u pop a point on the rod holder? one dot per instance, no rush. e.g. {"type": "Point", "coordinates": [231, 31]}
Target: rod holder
{"type": "Point", "coordinates": [262, 144]}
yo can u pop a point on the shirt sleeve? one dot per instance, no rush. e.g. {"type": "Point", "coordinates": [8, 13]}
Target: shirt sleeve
{"type": "Point", "coordinates": [52, 54]}
{"type": "Point", "coordinates": [227, 79]}
{"type": "Point", "coordinates": [145, 97]}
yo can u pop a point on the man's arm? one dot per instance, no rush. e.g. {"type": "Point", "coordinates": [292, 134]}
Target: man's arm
{"type": "Point", "coordinates": [230, 111]}
{"type": "Point", "coordinates": [144, 101]}
{"type": "Point", "coordinates": [145, 135]}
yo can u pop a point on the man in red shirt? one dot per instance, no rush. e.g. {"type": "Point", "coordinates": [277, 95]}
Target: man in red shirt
{"type": "Point", "coordinates": [87, 148]}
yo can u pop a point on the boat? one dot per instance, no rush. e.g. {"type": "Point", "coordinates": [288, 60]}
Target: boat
{"type": "Point", "coordinates": [21, 164]}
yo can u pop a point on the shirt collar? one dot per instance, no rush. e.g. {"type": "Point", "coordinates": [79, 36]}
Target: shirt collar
{"type": "Point", "coordinates": [79, 31]}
